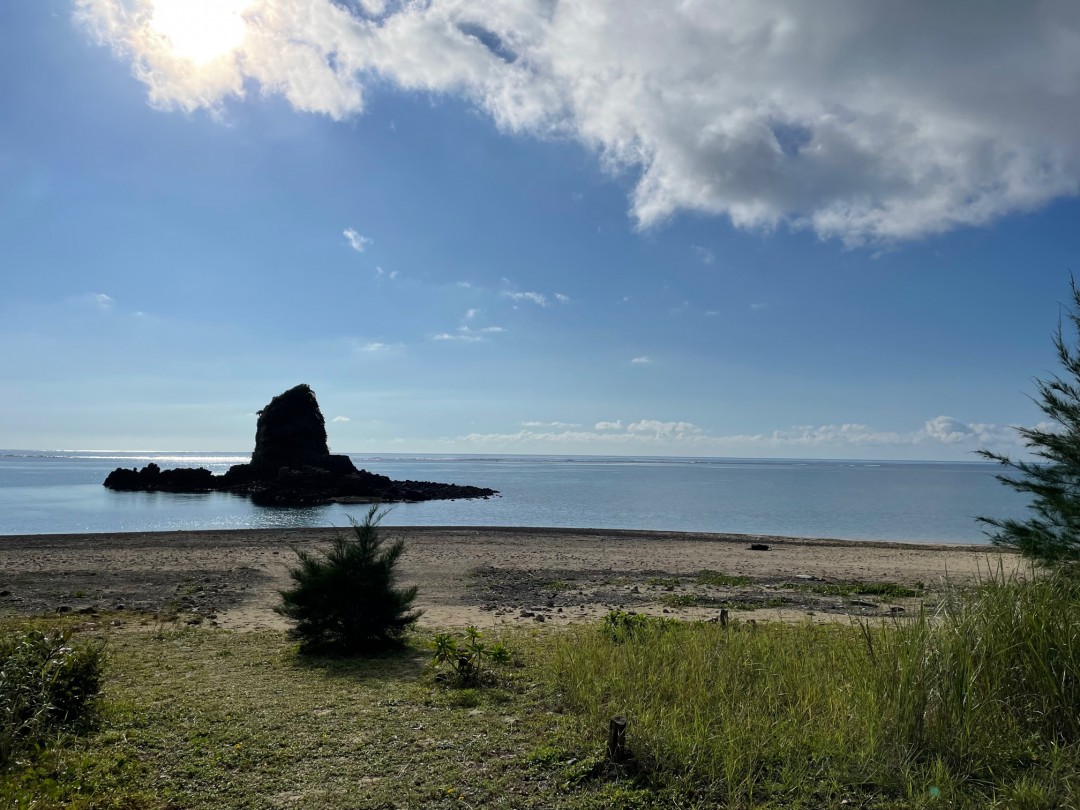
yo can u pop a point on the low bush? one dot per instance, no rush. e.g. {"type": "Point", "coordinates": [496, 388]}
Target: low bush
{"type": "Point", "coordinates": [47, 684]}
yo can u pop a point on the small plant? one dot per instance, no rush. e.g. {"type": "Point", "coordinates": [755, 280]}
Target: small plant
{"type": "Point", "coordinates": [679, 600]}
{"type": "Point", "coordinates": [468, 655]}
{"type": "Point", "coordinates": [345, 600]}
{"type": "Point", "coordinates": [624, 625]}
{"type": "Point", "coordinates": [46, 684]}
{"type": "Point", "coordinates": [719, 580]}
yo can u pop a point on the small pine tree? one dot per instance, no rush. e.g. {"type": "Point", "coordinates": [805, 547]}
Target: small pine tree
{"type": "Point", "coordinates": [1052, 534]}
{"type": "Point", "coordinates": [344, 599]}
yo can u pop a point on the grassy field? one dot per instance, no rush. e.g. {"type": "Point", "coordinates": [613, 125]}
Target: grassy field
{"type": "Point", "coordinates": [975, 708]}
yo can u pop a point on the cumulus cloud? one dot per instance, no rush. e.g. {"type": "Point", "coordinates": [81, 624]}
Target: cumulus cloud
{"type": "Point", "coordinates": [861, 121]}
{"type": "Point", "coordinates": [641, 361]}
{"type": "Point", "coordinates": [533, 424]}
{"type": "Point", "coordinates": [357, 242]}
{"type": "Point", "coordinates": [616, 425]}
{"type": "Point", "coordinates": [561, 298]}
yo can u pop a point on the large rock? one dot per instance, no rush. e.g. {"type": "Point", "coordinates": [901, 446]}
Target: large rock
{"type": "Point", "coordinates": [291, 466]}
{"type": "Point", "coordinates": [291, 431]}
{"type": "Point", "coordinates": [290, 435]}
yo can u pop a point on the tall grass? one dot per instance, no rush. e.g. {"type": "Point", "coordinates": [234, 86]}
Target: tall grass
{"type": "Point", "coordinates": [46, 684]}
{"type": "Point", "coordinates": [967, 706]}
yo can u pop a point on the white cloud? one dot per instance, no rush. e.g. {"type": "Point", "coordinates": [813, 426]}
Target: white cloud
{"type": "Point", "coordinates": [705, 256]}
{"type": "Point", "coordinates": [537, 298]}
{"type": "Point", "coordinates": [357, 242]}
{"type": "Point", "coordinates": [679, 429]}
{"type": "Point", "coordinates": [380, 273]}
{"type": "Point", "coordinates": [562, 299]}
{"type": "Point", "coordinates": [641, 361]}
{"type": "Point", "coordinates": [471, 313]}
{"type": "Point", "coordinates": [820, 440]}
{"type": "Point", "coordinates": [376, 346]}
{"type": "Point", "coordinates": [616, 425]}
{"type": "Point", "coordinates": [861, 121]}
{"type": "Point", "coordinates": [101, 301]}
{"type": "Point", "coordinates": [340, 419]}
{"type": "Point", "coordinates": [465, 337]}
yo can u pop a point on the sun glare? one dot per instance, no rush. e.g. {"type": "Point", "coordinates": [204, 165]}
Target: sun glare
{"type": "Point", "coordinates": [200, 30]}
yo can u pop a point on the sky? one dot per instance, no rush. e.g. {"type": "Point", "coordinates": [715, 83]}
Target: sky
{"type": "Point", "coordinates": [737, 228]}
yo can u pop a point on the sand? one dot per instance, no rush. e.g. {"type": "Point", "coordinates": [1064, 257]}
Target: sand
{"type": "Point", "coordinates": [481, 576]}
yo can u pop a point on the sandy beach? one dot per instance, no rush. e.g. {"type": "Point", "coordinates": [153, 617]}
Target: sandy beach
{"type": "Point", "coordinates": [482, 576]}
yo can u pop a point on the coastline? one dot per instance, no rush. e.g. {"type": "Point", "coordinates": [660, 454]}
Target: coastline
{"type": "Point", "coordinates": [486, 576]}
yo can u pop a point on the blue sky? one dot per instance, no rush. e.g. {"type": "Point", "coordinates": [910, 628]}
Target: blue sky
{"type": "Point", "coordinates": [721, 229]}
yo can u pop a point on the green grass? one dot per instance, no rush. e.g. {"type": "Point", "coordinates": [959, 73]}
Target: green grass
{"type": "Point", "coordinates": [972, 708]}
{"type": "Point", "coordinates": [719, 580]}
{"type": "Point", "coordinates": [682, 600]}
{"type": "Point", "coordinates": [203, 718]}
{"type": "Point", "coordinates": [890, 590]}
{"type": "Point", "coordinates": [976, 707]}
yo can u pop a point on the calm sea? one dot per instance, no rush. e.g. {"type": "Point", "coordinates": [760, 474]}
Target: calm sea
{"type": "Point", "coordinates": [47, 492]}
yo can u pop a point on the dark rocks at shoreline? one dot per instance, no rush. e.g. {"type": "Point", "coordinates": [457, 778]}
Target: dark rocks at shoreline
{"type": "Point", "coordinates": [291, 466]}
{"type": "Point", "coordinates": [152, 478]}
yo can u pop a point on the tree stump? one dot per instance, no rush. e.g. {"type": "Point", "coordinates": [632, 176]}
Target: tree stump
{"type": "Point", "coordinates": [723, 617]}
{"type": "Point", "coordinates": [616, 739]}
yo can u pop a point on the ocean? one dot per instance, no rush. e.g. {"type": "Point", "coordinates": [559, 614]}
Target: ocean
{"type": "Point", "coordinates": [58, 492]}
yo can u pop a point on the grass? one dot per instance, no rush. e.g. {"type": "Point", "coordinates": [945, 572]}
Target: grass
{"type": "Point", "coordinates": [204, 718]}
{"type": "Point", "coordinates": [972, 708]}
{"type": "Point", "coordinates": [889, 590]}
{"type": "Point", "coordinates": [719, 580]}
{"type": "Point", "coordinates": [975, 708]}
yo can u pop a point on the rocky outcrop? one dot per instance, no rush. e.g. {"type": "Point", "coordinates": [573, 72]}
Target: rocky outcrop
{"type": "Point", "coordinates": [291, 466]}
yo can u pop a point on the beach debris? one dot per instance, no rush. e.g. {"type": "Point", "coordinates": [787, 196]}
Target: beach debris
{"type": "Point", "coordinates": [758, 547]}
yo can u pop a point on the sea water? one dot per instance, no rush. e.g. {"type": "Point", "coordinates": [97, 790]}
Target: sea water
{"type": "Point", "coordinates": [55, 492]}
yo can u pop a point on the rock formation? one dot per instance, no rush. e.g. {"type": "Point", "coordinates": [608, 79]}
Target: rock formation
{"type": "Point", "coordinates": [291, 466]}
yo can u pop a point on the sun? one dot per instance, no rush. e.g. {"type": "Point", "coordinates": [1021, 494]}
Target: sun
{"type": "Point", "coordinates": [200, 30]}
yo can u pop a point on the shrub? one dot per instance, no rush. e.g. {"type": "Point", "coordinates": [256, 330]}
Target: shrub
{"type": "Point", "coordinates": [46, 684]}
{"type": "Point", "coordinates": [344, 599]}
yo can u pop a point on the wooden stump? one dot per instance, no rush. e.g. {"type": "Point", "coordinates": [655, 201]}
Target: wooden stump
{"type": "Point", "coordinates": [723, 617]}
{"type": "Point", "coordinates": [616, 739]}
